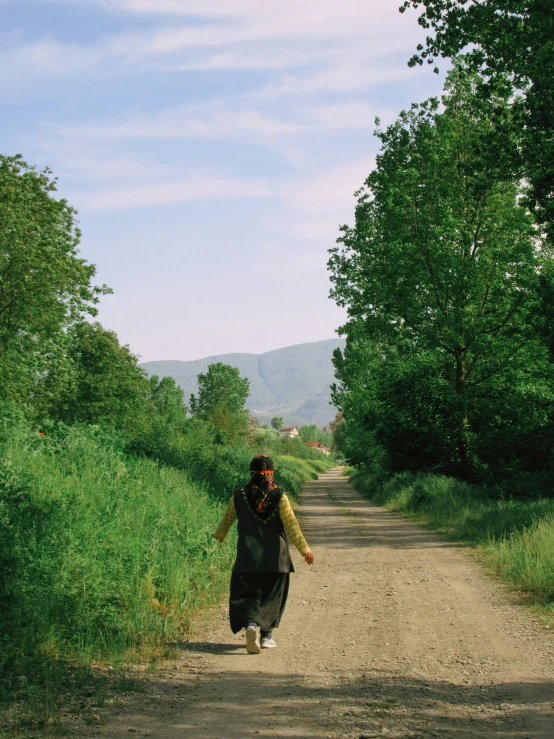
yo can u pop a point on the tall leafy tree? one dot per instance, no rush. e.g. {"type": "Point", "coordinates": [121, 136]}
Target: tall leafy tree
{"type": "Point", "coordinates": [167, 399]}
{"type": "Point", "coordinates": [443, 256]}
{"type": "Point", "coordinates": [44, 285]}
{"type": "Point", "coordinates": [222, 393]}
{"type": "Point", "coordinates": [164, 422]}
{"type": "Point", "coordinates": [505, 38]}
{"type": "Point", "coordinates": [106, 384]}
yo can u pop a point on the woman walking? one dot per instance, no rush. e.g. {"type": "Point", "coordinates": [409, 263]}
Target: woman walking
{"type": "Point", "coordinates": [261, 573]}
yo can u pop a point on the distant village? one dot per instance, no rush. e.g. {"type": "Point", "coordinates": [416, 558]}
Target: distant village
{"type": "Point", "coordinates": [292, 432]}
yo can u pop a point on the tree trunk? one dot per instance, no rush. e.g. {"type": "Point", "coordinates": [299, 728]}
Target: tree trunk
{"type": "Point", "coordinates": [462, 441]}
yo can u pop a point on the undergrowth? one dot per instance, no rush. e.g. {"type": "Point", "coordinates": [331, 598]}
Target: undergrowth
{"type": "Point", "coordinates": [105, 556]}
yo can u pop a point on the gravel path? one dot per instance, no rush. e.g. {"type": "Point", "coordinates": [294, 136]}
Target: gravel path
{"type": "Point", "coordinates": [392, 633]}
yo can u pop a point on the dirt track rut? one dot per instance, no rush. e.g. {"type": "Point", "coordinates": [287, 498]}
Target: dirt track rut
{"type": "Point", "coordinates": [392, 633]}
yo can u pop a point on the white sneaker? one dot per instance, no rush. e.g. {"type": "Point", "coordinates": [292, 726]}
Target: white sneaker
{"type": "Point", "coordinates": [267, 643]}
{"type": "Point", "coordinates": [252, 640]}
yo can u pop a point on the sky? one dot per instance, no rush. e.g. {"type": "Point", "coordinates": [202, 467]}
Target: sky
{"type": "Point", "coordinates": [211, 148]}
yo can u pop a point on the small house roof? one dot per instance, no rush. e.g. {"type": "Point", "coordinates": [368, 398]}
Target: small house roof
{"type": "Point", "coordinates": [314, 444]}
{"type": "Point", "coordinates": [288, 428]}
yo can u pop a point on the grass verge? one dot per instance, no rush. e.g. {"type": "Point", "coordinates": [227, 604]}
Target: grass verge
{"type": "Point", "coordinates": [106, 560]}
{"type": "Point", "coordinates": [513, 537]}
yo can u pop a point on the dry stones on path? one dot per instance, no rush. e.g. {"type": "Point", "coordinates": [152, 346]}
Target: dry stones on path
{"type": "Point", "coordinates": [392, 633]}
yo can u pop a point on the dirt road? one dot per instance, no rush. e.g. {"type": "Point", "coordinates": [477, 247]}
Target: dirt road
{"type": "Point", "coordinates": [392, 633]}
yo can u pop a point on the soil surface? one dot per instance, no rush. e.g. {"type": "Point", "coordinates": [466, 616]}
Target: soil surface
{"type": "Point", "coordinates": [392, 633]}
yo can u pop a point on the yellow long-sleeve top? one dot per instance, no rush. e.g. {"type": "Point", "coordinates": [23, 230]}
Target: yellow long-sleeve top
{"type": "Point", "coordinates": [291, 525]}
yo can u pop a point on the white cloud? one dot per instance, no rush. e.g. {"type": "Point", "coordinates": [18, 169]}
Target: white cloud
{"type": "Point", "coordinates": [224, 121]}
{"type": "Point", "coordinates": [316, 13]}
{"type": "Point", "coordinates": [318, 203]}
{"type": "Point", "coordinates": [339, 78]}
{"type": "Point", "coordinates": [232, 27]}
{"type": "Point", "coordinates": [297, 78]}
{"type": "Point", "coordinates": [201, 186]}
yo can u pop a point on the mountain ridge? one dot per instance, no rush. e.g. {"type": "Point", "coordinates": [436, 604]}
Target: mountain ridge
{"type": "Point", "coordinates": [293, 382]}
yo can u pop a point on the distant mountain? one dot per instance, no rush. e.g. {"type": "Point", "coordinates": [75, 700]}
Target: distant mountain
{"type": "Point", "coordinates": [292, 382]}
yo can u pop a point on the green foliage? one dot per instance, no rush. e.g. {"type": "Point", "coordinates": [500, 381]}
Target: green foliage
{"type": "Point", "coordinates": [440, 277]}
{"type": "Point", "coordinates": [515, 535]}
{"type": "Point", "coordinates": [313, 433]}
{"type": "Point", "coordinates": [511, 39]}
{"type": "Point", "coordinates": [106, 385]}
{"type": "Point", "coordinates": [222, 393]}
{"type": "Point", "coordinates": [277, 422]}
{"type": "Point", "coordinates": [291, 473]}
{"type": "Point", "coordinates": [221, 386]}
{"type": "Point", "coordinates": [100, 551]}
{"type": "Point", "coordinates": [526, 559]}
{"type": "Point", "coordinates": [44, 285]}
{"type": "Point", "coordinates": [415, 267]}
{"type": "Point", "coordinates": [161, 432]}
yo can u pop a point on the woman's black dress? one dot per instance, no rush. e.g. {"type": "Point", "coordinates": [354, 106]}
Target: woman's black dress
{"type": "Point", "coordinates": [261, 573]}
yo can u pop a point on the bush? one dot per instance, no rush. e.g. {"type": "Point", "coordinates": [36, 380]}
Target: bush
{"type": "Point", "coordinates": [100, 551]}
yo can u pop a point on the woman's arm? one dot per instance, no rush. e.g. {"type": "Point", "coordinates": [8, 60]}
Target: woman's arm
{"type": "Point", "coordinates": [293, 530]}
{"type": "Point", "coordinates": [226, 522]}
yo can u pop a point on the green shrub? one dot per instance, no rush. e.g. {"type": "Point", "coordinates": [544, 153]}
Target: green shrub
{"type": "Point", "coordinates": [100, 551]}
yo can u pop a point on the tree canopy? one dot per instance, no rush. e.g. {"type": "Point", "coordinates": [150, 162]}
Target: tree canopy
{"type": "Point", "coordinates": [511, 39]}
{"type": "Point", "coordinates": [44, 284]}
{"type": "Point", "coordinates": [222, 393]}
{"type": "Point", "coordinates": [45, 287]}
{"type": "Point", "coordinates": [439, 274]}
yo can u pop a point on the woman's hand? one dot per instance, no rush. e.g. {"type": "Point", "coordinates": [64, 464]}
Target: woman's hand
{"type": "Point", "coordinates": [309, 558]}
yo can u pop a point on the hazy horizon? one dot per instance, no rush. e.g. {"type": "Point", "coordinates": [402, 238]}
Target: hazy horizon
{"type": "Point", "coordinates": [253, 354]}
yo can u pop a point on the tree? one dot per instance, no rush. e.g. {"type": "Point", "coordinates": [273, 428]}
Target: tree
{"type": "Point", "coordinates": [161, 433]}
{"type": "Point", "coordinates": [277, 422]}
{"type": "Point", "coordinates": [106, 385]}
{"type": "Point", "coordinates": [44, 285]}
{"type": "Point", "coordinates": [167, 399]}
{"type": "Point", "coordinates": [222, 393]}
{"type": "Point", "coordinates": [443, 257]}
{"type": "Point", "coordinates": [513, 38]}
{"type": "Point", "coordinates": [311, 432]}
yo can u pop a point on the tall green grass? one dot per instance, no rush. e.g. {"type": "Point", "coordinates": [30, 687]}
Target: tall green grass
{"type": "Point", "coordinates": [220, 468]}
{"type": "Point", "coordinates": [515, 535]}
{"type": "Point", "coordinates": [105, 554]}
{"type": "Point", "coordinates": [100, 552]}
{"type": "Point", "coordinates": [291, 473]}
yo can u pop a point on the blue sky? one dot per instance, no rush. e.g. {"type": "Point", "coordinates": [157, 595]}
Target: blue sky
{"type": "Point", "coordinates": [211, 147]}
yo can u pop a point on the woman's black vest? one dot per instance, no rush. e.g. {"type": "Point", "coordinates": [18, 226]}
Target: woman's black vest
{"type": "Point", "coordinates": [262, 543]}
